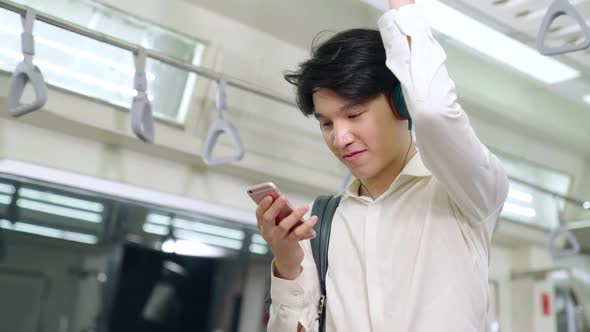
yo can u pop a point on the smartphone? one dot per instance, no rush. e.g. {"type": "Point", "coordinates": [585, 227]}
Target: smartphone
{"type": "Point", "coordinates": [260, 191]}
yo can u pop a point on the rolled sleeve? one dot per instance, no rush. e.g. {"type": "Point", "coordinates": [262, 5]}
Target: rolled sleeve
{"type": "Point", "coordinates": [295, 301]}
{"type": "Point", "coordinates": [288, 292]}
{"type": "Point", "coordinates": [450, 149]}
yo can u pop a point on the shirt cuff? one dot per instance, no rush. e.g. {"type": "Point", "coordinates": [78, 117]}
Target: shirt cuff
{"type": "Point", "coordinates": [290, 293]}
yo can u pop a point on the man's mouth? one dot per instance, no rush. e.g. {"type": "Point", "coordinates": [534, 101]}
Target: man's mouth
{"type": "Point", "coordinates": [354, 155]}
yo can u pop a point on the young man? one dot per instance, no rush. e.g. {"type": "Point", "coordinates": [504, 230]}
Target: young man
{"type": "Point", "coordinates": [410, 240]}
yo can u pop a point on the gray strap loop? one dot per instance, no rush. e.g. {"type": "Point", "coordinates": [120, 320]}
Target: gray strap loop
{"type": "Point", "coordinates": [561, 231]}
{"type": "Point", "coordinates": [27, 38]}
{"type": "Point", "coordinates": [220, 126]}
{"type": "Point", "coordinates": [29, 20]}
{"type": "Point", "coordinates": [221, 97]}
{"type": "Point", "coordinates": [559, 8]}
{"type": "Point", "coordinates": [26, 72]}
{"type": "Point", "coordinates": [142, 119]}
{"type": "Point", "coordinates": [140, 78]}
{"type": "Point", "coordinates": [555, 251]}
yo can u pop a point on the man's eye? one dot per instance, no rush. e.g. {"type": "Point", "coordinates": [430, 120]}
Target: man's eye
{"type": "Point", "coordinates": [326, 124]}
{"type": "Point", "coordinates": [354, 116]}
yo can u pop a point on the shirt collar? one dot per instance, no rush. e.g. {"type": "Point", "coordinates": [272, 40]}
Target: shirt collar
{"type": "Point", "coordinates": [414, 168]}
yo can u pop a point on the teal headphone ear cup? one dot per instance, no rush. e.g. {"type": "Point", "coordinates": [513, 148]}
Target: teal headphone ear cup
{"type": "Point", "coordinates": [400, 104]}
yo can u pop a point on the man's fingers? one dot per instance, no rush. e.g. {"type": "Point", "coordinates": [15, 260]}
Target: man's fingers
{"type": "Point", "coordinates": [303, 231]}
{"type": "Point", "coordinates": [296, 216]}
{"type": "Point", "coordinates": [262, 208]}
{"type": "Point", "coordinates": [270, 216]}
{"type": "Point", "coordinates": [309, 236]}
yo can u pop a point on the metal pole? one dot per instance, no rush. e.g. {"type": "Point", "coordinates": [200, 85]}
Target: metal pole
{"type": "Point", "coordinates": [202, 71]}
{"type": "Point", "coordinates": [583, 204]}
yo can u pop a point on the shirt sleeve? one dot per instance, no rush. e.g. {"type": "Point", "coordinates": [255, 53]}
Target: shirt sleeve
{"type": "Point", "coordinates": [473, 177]}
{"type": "Point", "coordinates": [295, 301]}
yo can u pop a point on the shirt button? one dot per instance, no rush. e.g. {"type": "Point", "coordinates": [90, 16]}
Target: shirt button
{"type": "Point", "coordinates": [296, 293]}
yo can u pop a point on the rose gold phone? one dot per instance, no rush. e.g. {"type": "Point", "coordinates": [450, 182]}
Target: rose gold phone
{"type": "Point", "coordinates": [260, 191]}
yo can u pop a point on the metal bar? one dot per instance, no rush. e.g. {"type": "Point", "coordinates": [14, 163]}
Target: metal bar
{"type": "Point", "coordinates": [582, 204]}
{"type": "Point", "coordinates": [199, 70]}
{"type": "Point", "coordinates": [536, 274]}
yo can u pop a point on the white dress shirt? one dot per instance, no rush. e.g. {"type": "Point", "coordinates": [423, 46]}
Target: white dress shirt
{"type": "Point", "coordinates": [415, 259]}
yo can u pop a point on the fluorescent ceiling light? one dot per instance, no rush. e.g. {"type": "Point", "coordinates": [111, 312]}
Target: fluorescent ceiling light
{"type": "Point", "coordinates": [490, 42]}
{"type": "Point", "coordinates": [49, 232]}
{"type": "Point", "coordinates": [192, 248]}
{"type": "Point", "coordinates": [7, 188]}
{"type": "Point", "coordinates": [5, 199]}
{"type": "Point", "coordinates": [565, 275]}
{"type": "Point", "coordinates": [58, 210]}
{"type": "Point", "coordinates": [519, 210]}
{"type": "Point", "coordinates": [257, 238]}
{"type": "Point", "coordinates": [120, 190]}
{"type": "Point", "coordinates": [158, 219]}
{"type": "Point", "coordinates": [587, 99]}
{"type": "Point", "coordinates": [61, 200]}
{"type": "Point", "coordinates": [209, 239]}
{"type": "Point", "coordinates": [581, 275]}
{"type": "Point", "coordinates": [155, 229]}
{"type": "Point", "coordinates": [559, 275]}
{"type": "Point", "coordinates": [196, 226]}
{"type": "Point", "coordinates": [79, 237]}
{"type": "Point", "coordinates": [258, 249]}
{"type": "Point", "coordinates": [520, 196]}
{"type": "Point", "coordinates": [209, 229]}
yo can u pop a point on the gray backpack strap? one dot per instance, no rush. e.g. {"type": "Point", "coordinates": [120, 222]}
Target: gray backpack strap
{"type": "Point", "coordinates": [324, 208]}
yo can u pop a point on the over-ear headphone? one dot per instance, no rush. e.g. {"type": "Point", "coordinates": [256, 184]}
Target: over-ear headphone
{"type": "Point", "coordinates": [398, 105]}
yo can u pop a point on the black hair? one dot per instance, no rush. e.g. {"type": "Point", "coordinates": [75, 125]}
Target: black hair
{"type": "Point", "coordinates": [351, 63]}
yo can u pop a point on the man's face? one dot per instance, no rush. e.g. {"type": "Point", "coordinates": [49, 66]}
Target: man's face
{"type": "Point", "coordinates": [367, 138]}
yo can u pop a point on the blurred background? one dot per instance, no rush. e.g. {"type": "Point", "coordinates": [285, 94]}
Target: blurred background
{"type": "Point", "coordinates": [100, 231]}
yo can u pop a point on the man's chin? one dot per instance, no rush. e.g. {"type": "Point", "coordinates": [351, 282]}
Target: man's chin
{"type": "Point", "coordinates": [360, 175]}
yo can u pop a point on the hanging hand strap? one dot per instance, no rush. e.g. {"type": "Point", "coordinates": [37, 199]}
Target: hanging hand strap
{"type": "Point", "coordinates": [572, 245]}
{"type": "Point", "coordinates": [219, 127]}
{"type": "Point", "coordinates": [559, 8]}
{"type": "Point", "coordinates": [26, 72]}
{"type": "Point", "coordinates": [142, 119]}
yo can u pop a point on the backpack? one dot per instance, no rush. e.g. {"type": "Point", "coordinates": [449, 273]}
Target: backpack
{"type": "Point", "coordinates": [324, 207]}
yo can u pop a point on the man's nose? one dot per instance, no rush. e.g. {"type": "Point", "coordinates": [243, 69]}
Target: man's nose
{"type": "Point", "coordinates": [342, 137]}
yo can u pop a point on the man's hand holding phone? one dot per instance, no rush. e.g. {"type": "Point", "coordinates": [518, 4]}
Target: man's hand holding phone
{"type": "Point", "coordinates": [282, 232]}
